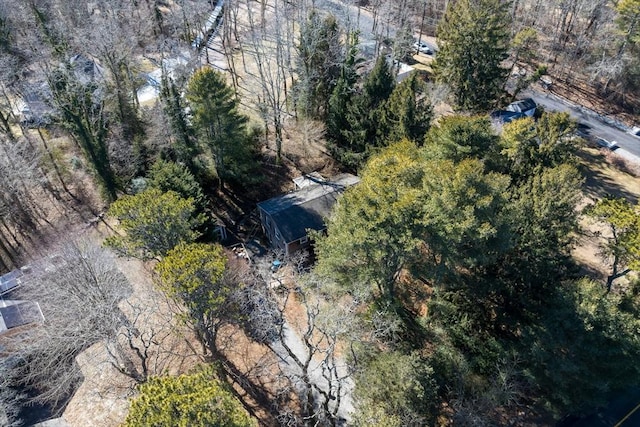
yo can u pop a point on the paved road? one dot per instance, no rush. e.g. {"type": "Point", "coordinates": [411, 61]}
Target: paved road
{"type": "Point", "coordinates": [351, 16]}
{"type": "Point", "coordinates": [594, 124]}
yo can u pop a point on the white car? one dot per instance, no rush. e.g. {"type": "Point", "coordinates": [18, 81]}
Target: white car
{"type": "Point", "coordinates": [635, 131]}
{"type": "Point", "coordinates": [422, 47]}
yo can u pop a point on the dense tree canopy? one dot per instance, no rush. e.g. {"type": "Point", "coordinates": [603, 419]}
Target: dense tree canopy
{"type": "Point", "coordinates": [342, 94]}
{"type": "Point", "coordinates": [486, 223]}
{"type": "Point", "coordinates": [407, 112]}
{"type": "Point", "coordinates": [628, 19]}
{"type": "Point", "coordinates": [193, 274]}
{"type": "Point", "coordinates": [198, 400]}
{"type": "Point", "coordinates": [410, 208]}
{"type": "Point", "coordinates": [544, 219]}
{"type": "Point", "coordinates": [360, 135]}
{"type": "Point", "coordinates": [170, 176]}
{"type": "Point", "coordinates": [370, 233]}
{"type": "Point", "coordinates": [588, 338]}
{"type": "Point", "coordinates": [183, 144]}
{"type": "Point", "coordinates": [320, 55]}
{"type": "Point", "coordinates": [457, 138]}
{"type": "Point", "coordinates": [154, 223]}
{"type": "Point", "coordinates": [219, 125]}
{"type": "Point", "coordinates": [473, 38]}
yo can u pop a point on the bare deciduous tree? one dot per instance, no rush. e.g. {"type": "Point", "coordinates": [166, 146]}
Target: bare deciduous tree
{"type": "Point", "coordinates": [21, 185]}
{"type": "Point", "coordinates": [147, 342]}
{"type": "Point", "coordinates": [10, 399]}
{"type": "Point", "coordinates": [270, 50]}
{"type": "Point", "coordinates": [311, 347]}
{"type": "Point", "coordinates": [78, 290]}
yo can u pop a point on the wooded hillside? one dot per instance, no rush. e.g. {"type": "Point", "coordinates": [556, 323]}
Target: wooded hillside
{"type": "Point", "coordinates": [446, 290]}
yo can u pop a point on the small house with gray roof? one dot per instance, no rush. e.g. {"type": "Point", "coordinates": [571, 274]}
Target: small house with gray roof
{"type": "Point", "coordinates": [17, 313]}
{"type": "Point", "coordinates": [286, 219]}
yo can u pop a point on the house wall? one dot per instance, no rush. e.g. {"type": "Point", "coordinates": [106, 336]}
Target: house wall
{"type": "Point", "coordinates": [271, 231]}
{"type": "Point", "coordinates": [296, 245]}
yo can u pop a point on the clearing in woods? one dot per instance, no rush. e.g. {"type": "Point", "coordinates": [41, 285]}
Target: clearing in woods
{"type": "Point", "coordinates": [602, 178]}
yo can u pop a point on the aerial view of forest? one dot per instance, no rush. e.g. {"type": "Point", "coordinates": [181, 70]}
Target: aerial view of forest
{"type": "Point", "coordinates": [319, 213]}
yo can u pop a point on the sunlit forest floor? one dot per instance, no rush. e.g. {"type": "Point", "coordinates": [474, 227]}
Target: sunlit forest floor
{"type": "Point", "coordinates": [604, 176]}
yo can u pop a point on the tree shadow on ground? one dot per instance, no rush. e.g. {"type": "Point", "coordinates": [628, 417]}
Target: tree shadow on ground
{"type": "Point", "coordinates": [599, 184]}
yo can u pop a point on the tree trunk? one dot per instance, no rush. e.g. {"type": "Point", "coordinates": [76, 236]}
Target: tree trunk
{"type": "Point", "coordinates": [55, 165]}
{"type": "Point", "coordinates": [615, 274]}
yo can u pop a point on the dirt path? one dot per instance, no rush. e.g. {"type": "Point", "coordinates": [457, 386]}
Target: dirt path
{"type": "Point", "coordinates": [318, 372]}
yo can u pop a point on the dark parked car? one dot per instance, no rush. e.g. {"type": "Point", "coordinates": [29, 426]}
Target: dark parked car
{"type": "Point", "coordinates": [504, 116]}
{"type": "Point", "coordinates": [525, 106]}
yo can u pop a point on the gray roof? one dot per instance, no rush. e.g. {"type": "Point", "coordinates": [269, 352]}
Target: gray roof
{"type": "Point", "coordinates": [35, 106]}
{"type": "Point", "coordinates": [15, 313]}
{"type": "Point", "coordinates": [296, 212]}
{"type": "Point", "coordinates": [15, 278]}
{"type": "Point", "coordinates": [10, 281]}
{"type": "Point", "coordinates": [85, 69]}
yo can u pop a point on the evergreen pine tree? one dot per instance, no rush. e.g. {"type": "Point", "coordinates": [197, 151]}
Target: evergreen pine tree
{"type": "Point", "coordinates": [184, 143]}
{"type": "Point", "coordinates": [379, 83]}
{"type": "Point", "coordinates": [457, 138]}
{"type": "Point", "coordinates": [320, 53]}
{"type": "Point", "coordinates": [219, 125]}
{"type": "Point", "coordinates": [341, 98]}
{"type": "Point", "coordinates": [171, 176]}
{"type": "Point", "coordinates": [474, 39]}
{"type": "Point", "coordinates": [364, 115]}
{"type": "Point", "coordinates": [407, 113]}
